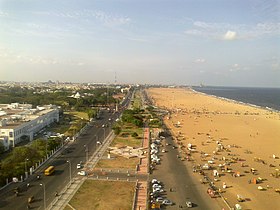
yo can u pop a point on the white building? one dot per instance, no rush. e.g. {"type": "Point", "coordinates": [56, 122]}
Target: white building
{"type": "Point", "coordinates": [20, 120]}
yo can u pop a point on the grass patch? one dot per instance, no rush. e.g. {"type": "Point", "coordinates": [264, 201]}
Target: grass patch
{"type": "Point", "coordinates": [137, 102]}
{"type": "Point", "coordinates": [118, 162]}
{"type": "Point", "coordinates": [81, 115]}
{"type": "Point", "coordinates": [126, 141]}
{"type": "Point", "coordinates": [125, 137]}
{"type": "Point", "coordinates": [61, 128]}
{"type": "Point", "coordinates": [70, 123]}
{"type": "Point", "coordinates": [103, 195]}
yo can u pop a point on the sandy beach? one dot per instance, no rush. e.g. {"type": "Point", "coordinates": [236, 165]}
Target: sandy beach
{"type": "Point", "coordinates": [241, 142]}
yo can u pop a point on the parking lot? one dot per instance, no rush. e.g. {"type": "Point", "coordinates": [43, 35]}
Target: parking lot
{"type": "Point", "coordinates": [172, 183]}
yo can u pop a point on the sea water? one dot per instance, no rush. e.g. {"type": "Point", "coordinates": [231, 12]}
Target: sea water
{"type": "Point", "coordinates": [268, 98]}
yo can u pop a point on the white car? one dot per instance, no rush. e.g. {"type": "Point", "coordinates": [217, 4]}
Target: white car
{"type": "Point", "coordinates": [82, 173]}
{"type": "Point", "coordinates": [155, 181]}
{"type": "Point", "coordinates": [167, 202]}
{"type": "Point", "coordinates": [157, 189]}
{"type": "Point", "coordinates": [159, 199]}
{"type": "Point", "coordinates": [79, 166]}
{"type": "Point", "coordinates": [154, 151]}
{"type": "Point", "coordinates": [156, 185]}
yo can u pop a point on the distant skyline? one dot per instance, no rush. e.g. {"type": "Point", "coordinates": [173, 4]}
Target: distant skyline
{"type": "Point", "coordinates": [182, 42]}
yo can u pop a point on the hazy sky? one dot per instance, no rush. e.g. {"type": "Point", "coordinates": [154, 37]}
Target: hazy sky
{"type": "Point", "coordinates": [214, 42]}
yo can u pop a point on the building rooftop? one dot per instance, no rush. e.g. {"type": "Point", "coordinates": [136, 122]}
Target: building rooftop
{"type": "Point", "coordinates": [12, 115]}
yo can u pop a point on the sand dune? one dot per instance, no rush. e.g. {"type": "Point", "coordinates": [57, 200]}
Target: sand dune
{"type": "Point", "coordinates": [249, 138]}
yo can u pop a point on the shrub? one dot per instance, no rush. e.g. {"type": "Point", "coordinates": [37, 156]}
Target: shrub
{"type": "Point", "coordinates": [134, 134]}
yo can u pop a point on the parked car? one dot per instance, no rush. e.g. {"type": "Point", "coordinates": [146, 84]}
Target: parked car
{"type": "Point", "coordinates": [79, 166]}
{"type": "Point", "coordinates": [157, 185]}
{"type": "Point", "coordinates": [155, 181]}
{"type": "Point", "coordinates": [157, 189]}
{"type": "Point", "coordinates": [167, 202]}
{"type": "Point", "coordinates": [159, 199]}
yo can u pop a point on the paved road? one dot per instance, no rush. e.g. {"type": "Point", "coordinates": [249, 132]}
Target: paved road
{"type": "Point", "coordinates": [173, 173]}
{"type": "Point", "coordinates": [76, 152]}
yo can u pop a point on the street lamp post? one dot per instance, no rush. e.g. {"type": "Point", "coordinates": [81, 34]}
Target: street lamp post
{"type": "Point", "coordinates": [86, 150]}
{"type": "Point", "coordinates": [25, 165]}
{"type": "Point", "coordinates": [44, 188]}
{"type": "Point", "coordinates": [68, 161]}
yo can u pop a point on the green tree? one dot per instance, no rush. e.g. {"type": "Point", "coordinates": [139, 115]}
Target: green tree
{"type": "Point", "coordinates": [117, 130]}
{"type": "Point", "coordinates": [53, 143]}
{"type": "Point", "coordinates": [91, 113]}
{"type": "Point", "coordinates": [134, 134]}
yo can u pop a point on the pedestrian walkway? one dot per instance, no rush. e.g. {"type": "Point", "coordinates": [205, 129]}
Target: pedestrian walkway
{"type": "Point", "coordinates": [63, 198]}
{"type": "Point", "coordinates": [143, 166]}
{"type": "Point", "coordinates": [141, 193]}
{"type": "Point", "coordinates": [141, 201]}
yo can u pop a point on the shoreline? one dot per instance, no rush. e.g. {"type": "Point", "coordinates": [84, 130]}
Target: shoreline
{"type": "Point", "coordinates": [203, 120]}
{"type": "Point", "coordinates": [236, 101]}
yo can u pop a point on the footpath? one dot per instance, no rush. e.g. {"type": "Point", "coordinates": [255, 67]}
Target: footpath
{"type": "Point", "coordinates": [141, 188]}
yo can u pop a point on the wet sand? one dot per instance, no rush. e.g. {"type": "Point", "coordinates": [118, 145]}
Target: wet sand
{"type": "Point", "coordinates": [230, 137]}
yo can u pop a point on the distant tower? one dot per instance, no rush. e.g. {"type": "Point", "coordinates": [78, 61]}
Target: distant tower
{"type": "Point", "coordinates": [115, 78]}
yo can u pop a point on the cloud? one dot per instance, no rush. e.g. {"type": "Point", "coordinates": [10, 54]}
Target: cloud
{"type": "Point", "coordinates": [111, 20]}
{"type": "Point", "coordinates": [194, 32]}
{"type": "Point", "coordinates": [199, 60]}
{"type": "Point", "coordinates": [230, 35]}
{"type": "Point", "coordinates": [80, 64]}
{"type": "Point", "coordinates": [238, 68]}
{"type": "Point", "coordinates": [9, 56]}
{"type": "Point", "coordinates": [137, 39]}
{"type": "Point", "coordinates": [275, 66]}
{"type": "Point", "coordinates": [4, 14]}
{"type": "Point", "coordinates": [202, 24]}
{"type": "Point", "coordinates": [87, 15]}
{"type": "Point", "coordinates": [216, 30]}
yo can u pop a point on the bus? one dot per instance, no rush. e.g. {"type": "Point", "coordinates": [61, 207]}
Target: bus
{"type": "Point", "coordinates": [49, 170]}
